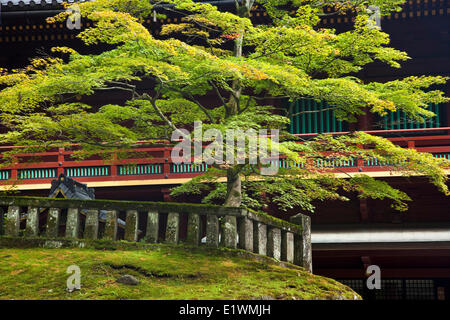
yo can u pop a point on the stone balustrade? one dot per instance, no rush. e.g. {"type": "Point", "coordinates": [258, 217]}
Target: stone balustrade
{"type": "Point", "coordinates": [154, 222]}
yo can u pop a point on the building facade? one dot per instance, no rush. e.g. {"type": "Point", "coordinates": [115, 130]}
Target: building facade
{"type": "Point", "coordinates": [412, 249]}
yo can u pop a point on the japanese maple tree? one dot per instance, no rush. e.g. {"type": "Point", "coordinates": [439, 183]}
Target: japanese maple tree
{"type": "Point", "coordinates": [165, 76]}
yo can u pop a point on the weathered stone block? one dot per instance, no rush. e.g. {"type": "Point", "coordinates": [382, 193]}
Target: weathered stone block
{"type": "Point", "coordinates": [132, 223]}
{"type": "Point", "coordinates": [173, 227]}
{"type": "Point", "coordinates": [32, 226]}
{"type": "Point", "coordinates": [152, 227]}
{"type": "Point", "coordinates": [274, 243]}
{"type": "Point", "coordinates": [302, 242]}
{"type": "Point", "coordinates": [53, 217]}
{"type": "Point", "coordinates": [260, 238]}
{"type": "Point", "coordinates": [230, 232]}
{"type": "Point", "coordinates": [91, 226]}
{"type": "Point", "coordinates": [212, 230]}
{"type": "Point", "coordinates": [246, 234]}
{"type": "Point", "coordinates": [111, 225]}
{"type": "Point", "coordinates": [193, 229]}
{"type": "Point", "coordinates": [287, 246]}
{"type": "Point", "coordinates": [73, 223]}
{"type": "Point", "coordinates": [13, 221]}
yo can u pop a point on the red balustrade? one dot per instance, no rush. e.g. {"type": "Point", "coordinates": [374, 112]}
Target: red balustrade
{"type": "Point", "coordinates": [154, 163]}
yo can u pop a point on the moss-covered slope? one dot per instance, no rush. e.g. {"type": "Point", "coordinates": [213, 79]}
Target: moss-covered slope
{"type": "Point", "coordinates": [165, 272]}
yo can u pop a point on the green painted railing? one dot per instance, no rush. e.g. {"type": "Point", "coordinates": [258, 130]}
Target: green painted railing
{"type": "Point", "coordinates": [140, 169]}
{"type": "Point", "coordinates": [374, 162]}
{"type": "Point", "coordinates": [87, 171]}
{"type": "Point", "coordinates": [5, 174]}
{"type": "Point", "coordinates": [188, 168]}
{"type": "Point", "coordinates": [319, 163]}
{"type": "Point", "coordinates": [40, 173]}
{"type": "Point", "coordinates": [335, 163]}
{"type": "Point", "coordinates": [309, 116]}
{"type": "Point", "coordinates": [442, 155]}
{"type": "Point", "coordinates": [286, 164]}
{"type": "Point", "coordinates": [400, 121]}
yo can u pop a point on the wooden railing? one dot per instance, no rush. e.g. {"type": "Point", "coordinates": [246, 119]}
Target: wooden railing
{"type": "Point", "coordinates": [154, 222]}
{"type": "Point", "coordinates": [154, 163]}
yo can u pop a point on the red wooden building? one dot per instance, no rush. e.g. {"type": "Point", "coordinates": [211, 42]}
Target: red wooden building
{"type": "Point", "coordinates": [412, 248]}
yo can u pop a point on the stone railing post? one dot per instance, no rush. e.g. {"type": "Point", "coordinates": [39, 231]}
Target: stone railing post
{"type": "Point", "coordinates": [212, 230]}
{"type": "Point", "coordinates": [287, 246]}
{"type": "Point", "coordinates": [53, 217]}
{"type": "Point", "coordinates": [260, 238]}
{"type": "Point", "coordinates": [193, 229]}
{"type": "Point", "coordinates": [132, 223]}
{"type": "Point", "coordinates": [152, 227]}
{"type": "Point", "coordinates": [274, 243]}
{"type": "Point", "coordinates": [73, 223]}
{"type": "Point", "coordinates": [32, 226]}
{"type": "Point", "coordinates": [302, 242]}
{"type": "Point", "coordinates": [230, 232]}
{"type": "Point", "coordinates": [246, 234]}
{"type": "Point", "coordinates": [91, 226]}
{"type": "Point", "coordinates": [173, 227]}
{"type": "Point", "coordinates": [111, 225]}
{"type": "Point", "coordinates": [13, 221]}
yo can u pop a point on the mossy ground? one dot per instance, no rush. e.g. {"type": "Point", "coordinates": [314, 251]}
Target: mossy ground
{"type": "Point", "coordinates": [165, 272]}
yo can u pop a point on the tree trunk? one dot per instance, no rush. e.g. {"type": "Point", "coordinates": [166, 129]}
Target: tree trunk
{"type": "Point", "coordinates": [234, 190]}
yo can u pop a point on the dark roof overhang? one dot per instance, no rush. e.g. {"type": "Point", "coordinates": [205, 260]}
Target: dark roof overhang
{"type": "Point", "coordinates": [38, 9]}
